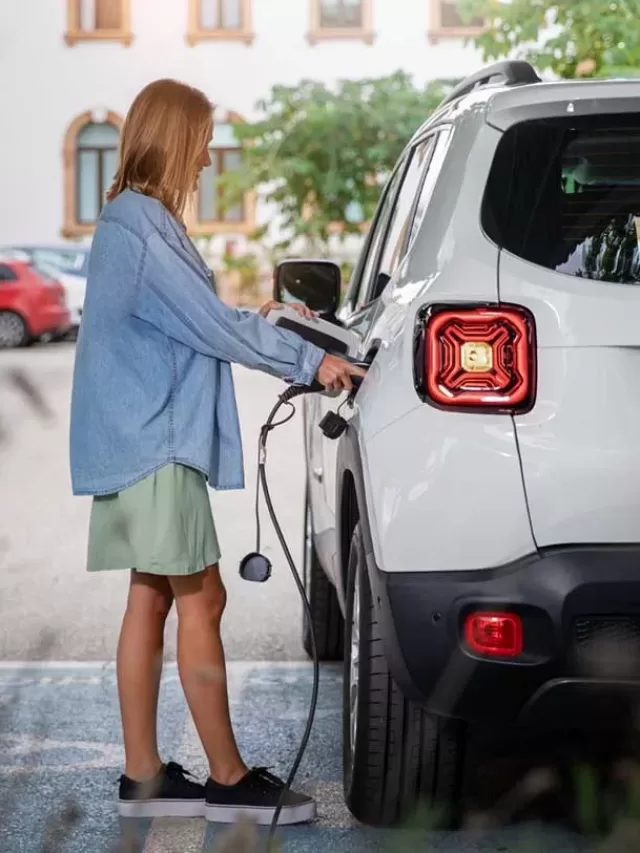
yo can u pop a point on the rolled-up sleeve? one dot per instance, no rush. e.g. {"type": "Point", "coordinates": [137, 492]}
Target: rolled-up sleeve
{"type": "Point", "coordinates": [174, 296]}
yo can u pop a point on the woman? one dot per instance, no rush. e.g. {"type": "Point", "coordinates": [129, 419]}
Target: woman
{"type": "Point", "coordinates": [154, 419]}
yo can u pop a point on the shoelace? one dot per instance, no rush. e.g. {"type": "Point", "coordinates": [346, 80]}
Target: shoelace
{"type": "Point", "coordinates": [262, 774]}
{"type": "Point", "coordinates": [174, 771]}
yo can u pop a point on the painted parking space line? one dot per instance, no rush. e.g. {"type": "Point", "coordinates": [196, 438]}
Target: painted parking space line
{"type": "Point", "coordinates": [60, 743]}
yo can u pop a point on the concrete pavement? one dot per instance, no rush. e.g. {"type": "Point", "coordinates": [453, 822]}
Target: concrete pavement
{"type": "Point", "coordinates": [59, 724]}
{"type": "Point", "coordinates": [60, 751]}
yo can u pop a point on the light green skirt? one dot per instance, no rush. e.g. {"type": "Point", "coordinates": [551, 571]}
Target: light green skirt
{"type": "Point", "coordinates": [161, 525]}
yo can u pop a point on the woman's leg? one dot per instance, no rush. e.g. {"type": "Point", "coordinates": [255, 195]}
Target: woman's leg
{"type": "Point", "coordinates": [139, 671]}
{"type": "Point", "coordinates": [200, 601]}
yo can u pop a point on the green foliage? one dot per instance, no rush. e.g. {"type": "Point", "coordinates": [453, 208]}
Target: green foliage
{"type": "Point", "coordinates": [246, 263]}
{"type": "Point", "coordinates": [573, 38]}
{"type": "Point", "coordinates": [319, 155]}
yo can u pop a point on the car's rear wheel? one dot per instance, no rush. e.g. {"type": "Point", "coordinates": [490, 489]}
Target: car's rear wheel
{"type": "Point", "coordinates": [327, 619]}
{"type": "Point", "coordinates": [396, 758]}
{"type": "Point", "coordinates": [13, 330]}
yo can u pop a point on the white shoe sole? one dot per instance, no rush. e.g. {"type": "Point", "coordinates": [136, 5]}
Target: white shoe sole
{"type": "Point", "coordinates": [302, 813]}
{"type": "Point", "coordinates": [161, 808]}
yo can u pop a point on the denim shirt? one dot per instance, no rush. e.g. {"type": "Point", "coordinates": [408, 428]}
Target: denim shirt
{"type": "Point", "coordinates": [152, 379]}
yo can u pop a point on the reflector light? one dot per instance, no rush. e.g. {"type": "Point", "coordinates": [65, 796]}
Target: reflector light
{"type": "Point", "coordinates": [480, 356]}
{"type": "Point", "coordinates": [494, 634]}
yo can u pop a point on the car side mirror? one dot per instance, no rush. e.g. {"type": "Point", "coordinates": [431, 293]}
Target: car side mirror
{"type": "Point", "coordinates": [316, 283]}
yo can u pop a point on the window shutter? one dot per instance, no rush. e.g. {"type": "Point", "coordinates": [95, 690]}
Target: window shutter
{"type": "Point", "coordinates": [108, 14]}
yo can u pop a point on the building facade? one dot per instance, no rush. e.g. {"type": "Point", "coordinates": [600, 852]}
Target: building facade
{"type": "Point", "coordinates": [70, 69]}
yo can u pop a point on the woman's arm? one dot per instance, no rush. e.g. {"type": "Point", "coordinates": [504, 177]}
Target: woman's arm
{"type": "Point", "coordinates": [174, 297]}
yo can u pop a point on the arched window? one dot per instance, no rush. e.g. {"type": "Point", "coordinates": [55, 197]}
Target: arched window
{"type": "Point", "coordinates": [211, 214]}
{"type": "Point", "coordinates": [91, 159]}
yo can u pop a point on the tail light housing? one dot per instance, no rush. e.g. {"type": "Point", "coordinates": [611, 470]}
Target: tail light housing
{"type": "Point", "coordinates": [478, 357]}
{"type": "Point", "coordinates": [494, 634]}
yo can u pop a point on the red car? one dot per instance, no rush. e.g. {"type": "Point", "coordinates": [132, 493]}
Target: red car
{"type": "Point", "coordinates": [32, 303]}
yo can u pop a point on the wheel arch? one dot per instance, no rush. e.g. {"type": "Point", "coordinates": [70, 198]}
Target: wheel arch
{"type": "Point", "coordinates": [351, 502]}
{"type": "Point", "coordinates": [351, 509]}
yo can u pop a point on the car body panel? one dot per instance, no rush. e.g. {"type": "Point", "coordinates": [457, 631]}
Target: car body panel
{"type": "Point", "coordinates": [579, 447]}
{"type": "Point", "coordinates": [70, 264]}
{"type": "Point", "coordinates": [428, 470]}
{"type": "Point", "coordinates": [39, 302]}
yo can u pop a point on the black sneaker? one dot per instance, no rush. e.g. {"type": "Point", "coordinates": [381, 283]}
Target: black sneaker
{"type": "Point", "coordinates": [169, 794]}
{"type": "Point", "coordinates": [256, 796]}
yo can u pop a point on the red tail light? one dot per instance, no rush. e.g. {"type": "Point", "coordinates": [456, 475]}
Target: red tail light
{"type": "Point", "coordinates": [494, 634]}
{"type": "Point", "coordinates": [480, 357]}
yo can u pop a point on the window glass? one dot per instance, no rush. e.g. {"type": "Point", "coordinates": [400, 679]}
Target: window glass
{"type": "Point", "coordinates": [226, 156]}
{"type": "Point", "coordinates": [96, 164]}
{"type": "Point", "coordinates": [574, 199]}
{"type": "Point", "coordinates": [336, 14]}
{"type": "Point", "coordinates": [231, 14]}
{"type": "Point", "coordinates": [397, 237]}
{"type": "Point", "coordinates": [221, 14]}
{"type": "Point", "coordinates": [7, 274]}
{"type": "Point", "coordinates": [435, 153]}
{"type": "Point", "coordinates": [88, 186]}
{"type": "Point", "coordinates": [374, 243]}
{"type": "Point", "coordinates": [450, 17]}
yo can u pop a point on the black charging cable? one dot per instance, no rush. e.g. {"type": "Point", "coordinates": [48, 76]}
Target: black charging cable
{"type": "Point", "coordinates": [256, 567]}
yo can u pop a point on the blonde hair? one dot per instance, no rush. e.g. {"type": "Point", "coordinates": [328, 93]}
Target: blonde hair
{"type": "Point", "coordinates": [165, 130]}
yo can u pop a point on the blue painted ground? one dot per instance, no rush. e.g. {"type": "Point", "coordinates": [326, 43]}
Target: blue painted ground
{"type": "Point", "coordinates": [59, 749]}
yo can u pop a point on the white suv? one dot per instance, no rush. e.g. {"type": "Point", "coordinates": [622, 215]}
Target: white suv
{"type": "Point", "coordinates": [473, 535]}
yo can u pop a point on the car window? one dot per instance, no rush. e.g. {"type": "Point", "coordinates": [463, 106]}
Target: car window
{"type": "Point", "coordinates": [439, 149]}
{"type": "Point", "coordinates": [376, 236]}
{"type": "Point", "coordinates": [392, 237]}
{"type": "Point", "coordinates": [7, 274]}
{"type": "Point", "coordinates": [574, 199]}
{"type": "Point", "coordinates": [397, 238]}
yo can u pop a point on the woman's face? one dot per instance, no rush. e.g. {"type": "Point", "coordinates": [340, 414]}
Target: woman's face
{"type": "Point", "coordinates": [203, 159]}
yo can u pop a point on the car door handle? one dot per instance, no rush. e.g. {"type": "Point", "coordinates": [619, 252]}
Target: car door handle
{"type": "Point", "coordinates": [318, 474]}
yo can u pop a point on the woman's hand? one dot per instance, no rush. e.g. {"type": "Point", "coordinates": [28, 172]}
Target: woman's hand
{"type": "Point", "coordinates": [335, 373]}
{"type": "Point", "coordinates": [300, 307]}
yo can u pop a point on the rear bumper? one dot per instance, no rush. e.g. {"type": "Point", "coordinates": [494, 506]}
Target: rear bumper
{"type": "Point", "coordinates": [580, 609]}
{"type": "Point", "coordinates": [50, 320]}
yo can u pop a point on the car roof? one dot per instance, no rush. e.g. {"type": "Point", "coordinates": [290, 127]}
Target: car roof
{"type": "Point", "coordinates": [503, 104]}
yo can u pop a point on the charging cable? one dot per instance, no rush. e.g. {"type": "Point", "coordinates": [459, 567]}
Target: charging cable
{"type": "Point", "coordinates": [256, 567]}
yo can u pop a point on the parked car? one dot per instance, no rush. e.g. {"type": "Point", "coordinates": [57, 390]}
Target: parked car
{"type": "Point", "coordinates": [71, 264]}
{"type": "Point", "coordinates": [32, 303]}
{"type": "Point", "coordinates": [472, 536]}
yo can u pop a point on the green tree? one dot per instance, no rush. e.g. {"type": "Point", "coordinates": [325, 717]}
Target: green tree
{"type": "Point", "coordinates": [573, 38]}
{"type": "Point", "coordinates": [320, 154]}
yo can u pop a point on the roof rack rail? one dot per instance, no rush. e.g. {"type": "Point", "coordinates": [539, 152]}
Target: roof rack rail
{"type": "Point", "coordinates": [514, 72]}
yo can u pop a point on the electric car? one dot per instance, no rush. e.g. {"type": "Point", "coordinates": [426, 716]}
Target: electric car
{"type": "Point", "coordinates": [472, 524]}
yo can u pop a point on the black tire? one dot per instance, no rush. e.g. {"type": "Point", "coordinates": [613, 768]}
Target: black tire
{"type": "Point", "coordinates": [327, 618]}
{"type": "Point", "coordinates": [403, 759]}
{"type": "Point", "coordinates": [13, 330]}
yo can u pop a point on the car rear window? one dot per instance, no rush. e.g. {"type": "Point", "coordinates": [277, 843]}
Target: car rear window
{"type": "Point", "coordinates": [565, 194]}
